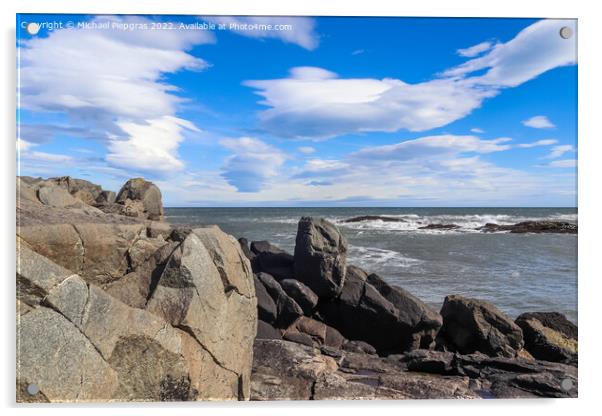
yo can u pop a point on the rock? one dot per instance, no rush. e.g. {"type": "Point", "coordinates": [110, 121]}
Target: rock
{"type": "Point", "coordinates": [317, 376]}
{"type": "Point", "coordinates": [267, 331]}
{"type": "Point", "coordinates": [147, 194]}
{"type": "Point", "coordinates": [439, 227]}
{"type": "Point", "coordinates": [272, 260]}
{"type": "Point", "coordinates": [244, 245]}
{"type": "Point", "coordinates": [206, 289]}
{"type": "Point", "coordinates": [386, 317]}
{"type": "Point", "coordinates": [287, 309]}
{"type": "Point", "coordinates": [266, 308]}
{"type": "Point", "coordinates": [549, 336]}
{"type": "Point", "coordinates": [55, 196]}
{"type": "Point", "coordinates": [61, 361]}
{"type": "Point", "coordinates": [84, 190]}
{"type": "Point", "coordinates": [504, 377]}
{"type": "Point", "coordinates": [532, 227]}
{"type": "Point", "coordinates": [320, 256]}
{"type": "Point", "coordinates": [105, 197]}
{"type": "Point", "coordinates": [359, 347]}
{"type": "Point", "coordinates": [274, 378]}
{"type": "Point", "coordinates": [471, 325]}
{"type": "Point", "coordinates": [299, 338]}
{"type": "Point", "coordinates": [318, 332]}
{"type": "Point", "coordinates": [300, 294]}
{"type": "Point", "coordinates": [427, 361]}
{"type": "Point", "coordinates": [374, 218]}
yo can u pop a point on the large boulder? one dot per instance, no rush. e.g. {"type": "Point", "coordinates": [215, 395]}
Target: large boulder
{"type": "Point", "coordinates": [145, 193]}
{"type": "Point", "coordinates": [318, 332]}
{"type": "Point", "coordinates": [206, 289]}
{"type": "Point", "coordinates": [386, 317]}
{"type": "Point", "coordinates": [549, 336]}
{"type": "Point", "coordinates": [320, 256]}
{"type": "Point", "coordinates": [55, 196]}
{"type": "Point", "coordinates": [78, 343]}
{"type": "Point", "coordinates": [471, 325]}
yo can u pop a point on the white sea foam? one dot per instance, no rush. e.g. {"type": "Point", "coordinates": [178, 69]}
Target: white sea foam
{"type": "Point", "coordinates": [372, 256]}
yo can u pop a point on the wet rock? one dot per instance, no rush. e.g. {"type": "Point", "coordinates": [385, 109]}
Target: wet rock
{"type": "Point", "coordinates": [471, 325]}
{"type": "Point", "coordinates": [301, 294]}
{"type": "Point", "coordinates": [439, 227]}
{"type": "Point", "coordinates": [373, 218]}
{"type": "Point", "coordinates": [320, 256]}
{"type": "Point", "coordinates": [558, 227]}
{"type": "Point", "coordinates": [549, 336]}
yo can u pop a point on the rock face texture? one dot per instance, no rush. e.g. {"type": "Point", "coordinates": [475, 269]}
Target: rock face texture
{"type": "Point", "coordinates": [144, 192]}
{"type": "Point", "coordinates": [549, 336]}
{"type": "Point", "coordinates": [471, 325]}
{"type": "Point", "coordinates": [320, 256]}
{"type": "Point", "coordinates": [110, 308]}
{"type": "Point", "coordinates": [386, 317]}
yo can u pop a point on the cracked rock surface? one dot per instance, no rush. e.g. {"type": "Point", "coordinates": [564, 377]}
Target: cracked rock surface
{"type": "Point", "coordinates": [119, 308]}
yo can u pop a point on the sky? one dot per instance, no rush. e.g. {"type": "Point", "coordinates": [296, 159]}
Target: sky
{"type": "Point", "coordinates": [302, 111]}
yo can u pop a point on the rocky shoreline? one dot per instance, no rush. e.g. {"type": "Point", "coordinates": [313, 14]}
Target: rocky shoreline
{"type": "Point", "coordinates": [114, 304]}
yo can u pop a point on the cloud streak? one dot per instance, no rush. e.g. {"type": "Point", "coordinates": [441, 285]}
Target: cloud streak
{"type": "Point", "coordinates": [317, 103]}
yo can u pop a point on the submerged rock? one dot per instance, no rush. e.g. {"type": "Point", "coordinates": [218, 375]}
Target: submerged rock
{"type": "Point", "coordinates": [532, 227]}
{"type": "Point", "coordinates": [320, 256]}
{"type": "Point", "coordinates": [374, 218]}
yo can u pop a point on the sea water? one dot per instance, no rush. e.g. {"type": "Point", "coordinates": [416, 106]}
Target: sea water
{"type": "Point", "coordinates": [517, 272]}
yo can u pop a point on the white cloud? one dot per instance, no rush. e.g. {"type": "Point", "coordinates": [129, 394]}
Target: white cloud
{"type": "Point", "coordinates": [539, 122]}
{"type": "Point", "coordinates": [475, 50]}
{"type": "Point", "coordinates": [425, 147]}
{"type": "Point", "coordinates": [358, 52]}
{"type": "Point", "coordinates": [535, 50]}
{"type": "Point", "coordinates": [152, 146]}
{"type": "Point", "coordinates": [544, 142]}
{"type": "Point", "coordinates": [112, 81]}
{"type": "Point", "coordinates": [306, 149]}
{"type": "Point", "coordinates": [558, 151]}
{"type": "Point", "coordinates": [317, 103]}
{"type": "Point", "coordinates": [252, 165]}
{"type": "Point", "coordinates": [477, 130]}
{"type": "Point", "coordinates": [566, 163]}
{"type": "Point", "coordinates": [297, 30]}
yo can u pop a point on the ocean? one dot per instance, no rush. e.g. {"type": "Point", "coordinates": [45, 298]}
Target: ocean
{"type": "Point", "coordinates": [517, 272]}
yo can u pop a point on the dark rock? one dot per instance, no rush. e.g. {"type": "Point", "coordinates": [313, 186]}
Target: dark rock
{"type": "Point", "coordinates": [320, 256]}
{"type": "Point", "coordinates": [504, 377]}
{"type": "Point", "coordinates": [301, 294]}
{"type": "Point", "coordinates": [266, 307]}
{"type": "Point", "coordinates": [272, 260]}
{"type": "Point", "coordinates": [287, 309]}
{"type": "Point", "coordinates": [558, 227]}
{"type": "Point", "coordinates": [427, 361]}
{"type": "Point", "coordinates": [258, 247]}
{"type": "Point", "coordinates": [267, 331]}
{"type": "Point", "coordinates": [105, 197]}
{"type": "Point", "coordinates": [374, 218]}
{"type": "Point", "coordinates": [549, 336]}
{"type": "Point", "coordinates": [471, 325]}
{"type": "Point", "coordinates": [439, 227]}
{"type": "Point", "coordinates": [386, 317]}
{"type": "Point", "coordinates": [179, 234]}
{"type": "Point", "coordinates": [360, 347]}
{"type": "Point", "coordinates": [299, 338]}
{"type": "Point", "coordinates": [320, 333]}
{"type": "Point", "coordinates": [244, 245]}
{"type": "Point", "coordinates": [147, 193]}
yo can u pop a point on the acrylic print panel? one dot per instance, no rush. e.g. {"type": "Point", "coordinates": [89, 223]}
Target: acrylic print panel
{"type": "Point", "coordinates": [295, 208]}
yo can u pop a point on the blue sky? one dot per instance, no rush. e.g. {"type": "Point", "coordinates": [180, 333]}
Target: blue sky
{"type": "Point", "coordinates": [327, 111]}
